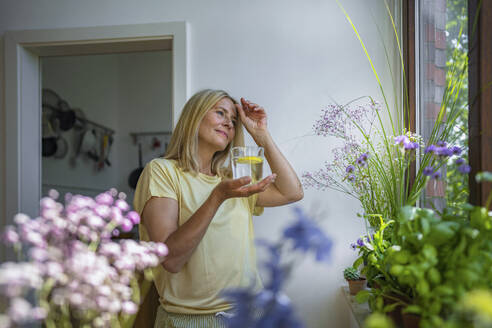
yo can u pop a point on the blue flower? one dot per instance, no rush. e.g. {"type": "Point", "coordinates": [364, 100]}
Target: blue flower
{"type": "Point", "coordinates": [456, 150]}
{"type": "Point", "coordinates": [307, 236]}
{"type": "Point", "coordinates": [428, 171]}
{"type": "Point", "coordinates": [360, 242]}
{"type": "Point", "coordinates": [430, 149]}
{"type": "Point", "coordinates": [277, 311]}
{"type": "Point", "coordinates": [364, 156]}
{"type": "Point", "coordinates": [350, 169]}
{"type": "Point", "coordinates": [411, 145]}
{"type": "Point", "coordinates": [441, 144]}
{"type": "Point", "coordinates": [401, 140]}
{"type": "Point", "coordinates": [243, 301]}
{"type": "Point", "coordinates": [353, 246]}
{"type": "Point", "coordinates": [436, 175]}
{"type": "Point", "coordinates": [459, 161]}
{"type": "Point", "coordinates": [351, 177]}
{"type": "Point", "coordinates": [464, 169]}
{"type": "Point", "coordinates": [444, 151]}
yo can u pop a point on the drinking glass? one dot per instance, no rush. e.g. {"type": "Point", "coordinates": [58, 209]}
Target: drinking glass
{"type": "Point", "coordinates": [247, 161]}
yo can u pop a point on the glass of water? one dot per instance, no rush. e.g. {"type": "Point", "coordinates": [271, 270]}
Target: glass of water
{"type": "Point", "coordinates": [247, 161]}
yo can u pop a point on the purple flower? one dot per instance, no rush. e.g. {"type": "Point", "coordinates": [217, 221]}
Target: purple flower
{"type": "Point", "coordinates": [459, 161]}
{"type": "Point", "coordinates": [307, 236]}
{"type": "Point", "coordinates": [430, 149]}
{"type": "Point", "coordinates": [351, 177]}
{"type": "Point", "coordinates": [364, 156]}
{"type": "Point", "coordinates": [360, 242]}
{"type": "Point", "coordinates": [456, 150]}
{"type": "Point", "coordinates": [436, 175]}
{"type": "Point", "coordinates": [401, 140]}
{"type": "Point", "coordinates": [133, 217]}
{"type": "Point", "coordinates": [353, 246]}
{"type": "Point", "coordinates": [464, 169]}
{"type": "Point", "coordinates": [444, 152]}
{"type": "Point", "coordinates": [350, 169]}
{"type": "Point", "coordinates": [411, 145]}
{"type": "Point", "coordinates": [10, 236]}
{"type": "Point", "coordinates": [441, 143]}
{"type": "Point", "coordinates": [104, 198]}
{"type": "Point", "coordinates": [428, 171]}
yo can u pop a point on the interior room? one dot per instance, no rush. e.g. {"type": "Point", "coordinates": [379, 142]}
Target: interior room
{"type": "Point", "coordinates": [373, 119]}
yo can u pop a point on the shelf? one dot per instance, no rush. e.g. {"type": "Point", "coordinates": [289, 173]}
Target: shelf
{"type": "Point", "coordinates": [135, 135]}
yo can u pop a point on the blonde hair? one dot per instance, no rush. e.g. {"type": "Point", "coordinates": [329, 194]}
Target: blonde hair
{"type": "Point", "coordinates": [183, 146]}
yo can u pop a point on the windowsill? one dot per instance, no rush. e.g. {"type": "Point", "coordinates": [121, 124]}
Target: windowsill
{"type": "Point", "coordinates": [359, 311]}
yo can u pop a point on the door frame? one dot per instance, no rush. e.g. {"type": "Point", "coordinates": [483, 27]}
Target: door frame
{"type": "Point", "coordinates": [22, 188]}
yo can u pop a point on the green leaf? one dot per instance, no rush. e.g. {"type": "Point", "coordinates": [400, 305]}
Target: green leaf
{"type": "Point", "coordinates": [408, 213]}
{"type": "Point", "coordinates": [390, 307]}
{"type": "Point", "coordinates": [415, 309]}
{"type": "Point", "coordinates": [358, 262]}
{"type": "Point", "coordinates": [362, 296]}
{"type": "Point", "coordinates": [484, 176]}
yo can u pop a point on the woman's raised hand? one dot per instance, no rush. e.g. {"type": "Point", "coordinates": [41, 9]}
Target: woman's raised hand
{"type": "Point", "coordinates": [237, 187]}
{"type": "Point", "coordinates": [253, 117]}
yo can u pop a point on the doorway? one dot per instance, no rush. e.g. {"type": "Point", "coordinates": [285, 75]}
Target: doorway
{"type": "Point", "coordinates": [24, 53]}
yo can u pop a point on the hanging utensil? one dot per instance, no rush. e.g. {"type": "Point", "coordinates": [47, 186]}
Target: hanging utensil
{"type": "Point", "coordinates": [135, 175]}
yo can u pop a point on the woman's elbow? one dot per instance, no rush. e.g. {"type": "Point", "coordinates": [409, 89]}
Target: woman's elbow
{"type": "Point", "coordinates": [171, 266]}
{"type": "Point", "coordinates": [297, 196]}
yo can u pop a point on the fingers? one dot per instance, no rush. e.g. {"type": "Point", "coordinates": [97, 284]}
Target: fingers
{"type": "Point", "coordinates": [258, 187]}
{"type": "Point", "coordinates": [238, 183]}
{"type": "Point", "coordinates": [250, 106]}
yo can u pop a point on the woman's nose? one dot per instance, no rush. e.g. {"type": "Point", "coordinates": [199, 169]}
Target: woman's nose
{"type": "Point", "coordinates": [228, 122]}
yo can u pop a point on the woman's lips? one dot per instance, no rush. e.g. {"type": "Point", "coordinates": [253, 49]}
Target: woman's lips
{"type": "Point", "coordinates": [222, 133]}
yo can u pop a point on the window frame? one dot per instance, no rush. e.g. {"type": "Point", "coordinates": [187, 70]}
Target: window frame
{"type": "Point", "coordinates": [480, 69]}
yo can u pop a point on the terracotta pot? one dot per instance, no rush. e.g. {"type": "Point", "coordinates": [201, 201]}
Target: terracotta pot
{"type": "Point", "coordinates": [395, 314]}
{"type": "Point", "coordinates": [411, 320]}
{"type": "Point", "coordinates": [356, 286]}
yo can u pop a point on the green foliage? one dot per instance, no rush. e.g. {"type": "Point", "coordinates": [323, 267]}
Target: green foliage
{"type": "Point", "coordinates": [351, 273]}
{"type": "Point", "coordinates": [437, 258]}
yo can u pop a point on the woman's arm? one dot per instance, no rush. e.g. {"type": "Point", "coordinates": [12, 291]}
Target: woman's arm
{"type": "Point", "coordinates": [287, 187]}
{"type": "Point", "coordinates": [160, 218]}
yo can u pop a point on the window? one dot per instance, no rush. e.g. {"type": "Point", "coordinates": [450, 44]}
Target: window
{"type": "Point", "coordinates": [436, 40]}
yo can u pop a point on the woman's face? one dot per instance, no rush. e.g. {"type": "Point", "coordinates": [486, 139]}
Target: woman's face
{"type": "Point", "coordinates": [217, 128]}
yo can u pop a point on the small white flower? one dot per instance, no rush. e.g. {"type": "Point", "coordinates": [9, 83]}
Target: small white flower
{"type": "Point", "coordinates": [396, 248]}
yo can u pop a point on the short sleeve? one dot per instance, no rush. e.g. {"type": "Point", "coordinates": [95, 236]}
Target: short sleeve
{"type": "Point", "coordinates": [159, 179]}
{"type": "Point", "coordinates": [256, 210]}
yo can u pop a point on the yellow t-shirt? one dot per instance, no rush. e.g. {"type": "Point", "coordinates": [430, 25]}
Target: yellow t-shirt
{"type": "Point", "coordinates": [224, 258]}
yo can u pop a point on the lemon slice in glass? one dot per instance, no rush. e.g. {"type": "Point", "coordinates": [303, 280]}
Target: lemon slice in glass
{"type": "Point", "coordinates": [249, 160]}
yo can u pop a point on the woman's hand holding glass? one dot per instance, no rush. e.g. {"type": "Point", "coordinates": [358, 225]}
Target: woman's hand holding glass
{"type": "Point", "coordinates": [240, 188]}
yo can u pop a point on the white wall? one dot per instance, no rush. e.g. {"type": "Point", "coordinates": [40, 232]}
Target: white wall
{"type": "Point", "coordinates": [293, 58]}
{"type": "Point", "coordinates": [128, 92]}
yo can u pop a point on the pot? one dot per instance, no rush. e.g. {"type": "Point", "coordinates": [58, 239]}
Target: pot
{"type": "Point", "coordinates": [61, 147]}
{"type": "Point", "coordinates": [135, 175]}
{"type": "Point", "coordinates": [49, 146]}
{"type": "Point", "coordinates": [411, 320]}
{"type": "Point", "coordinates": [65, 115]}
{"type": "Point", "coordinates": [356, 286]}
{"type": "Point", "coordinates": [49, 140]}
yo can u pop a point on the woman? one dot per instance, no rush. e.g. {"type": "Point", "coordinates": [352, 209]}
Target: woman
{"type": "Point", "coordinates": [187, 201]}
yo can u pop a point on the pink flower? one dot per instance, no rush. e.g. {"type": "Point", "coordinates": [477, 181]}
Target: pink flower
{"type": "Point", "coordinates": [129, 307]}
{"type": "Point", "coordinates": [134, 217]}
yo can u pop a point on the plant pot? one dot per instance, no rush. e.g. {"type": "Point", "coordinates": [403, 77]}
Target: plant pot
{"type": "Point", "coordinates": [356, 286]}
{"type": "Point", "coordinates": [411, 320]}
{"type": "Point", "coordinates": [394, 314]}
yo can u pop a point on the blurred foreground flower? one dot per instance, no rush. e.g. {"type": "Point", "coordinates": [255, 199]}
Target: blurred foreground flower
{"type": "Point", "coordinates": [78, 274]}
{"type": "Point", "coordinates": [271, 307]}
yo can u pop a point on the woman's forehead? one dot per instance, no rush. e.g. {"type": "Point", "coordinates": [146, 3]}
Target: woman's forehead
{"type": "Point", "coordinates": [227, 105]}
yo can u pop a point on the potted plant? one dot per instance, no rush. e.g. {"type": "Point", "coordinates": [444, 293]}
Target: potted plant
{"type": "Point", "coordinates": [355, 281]}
